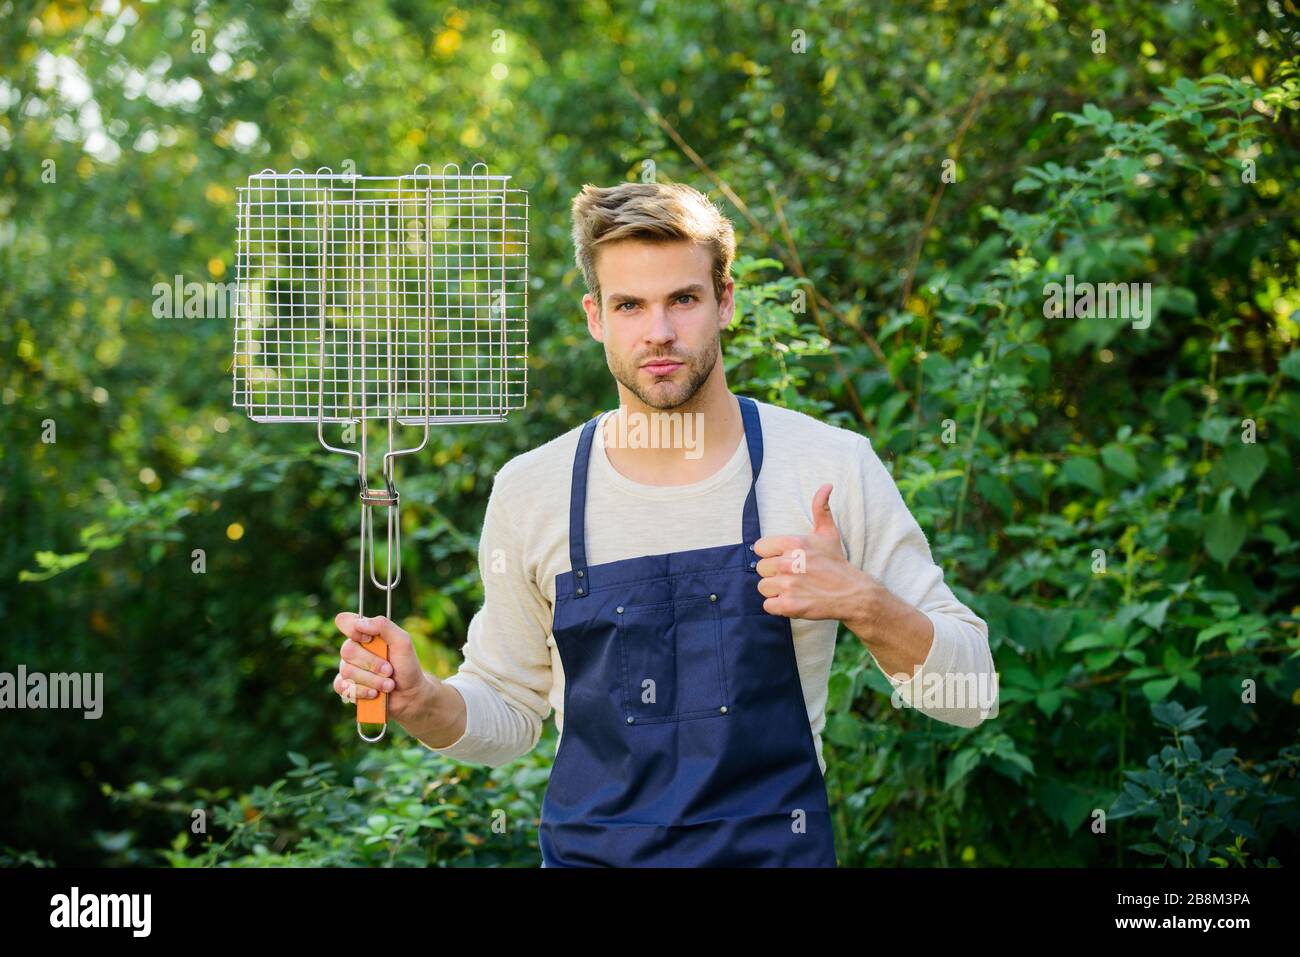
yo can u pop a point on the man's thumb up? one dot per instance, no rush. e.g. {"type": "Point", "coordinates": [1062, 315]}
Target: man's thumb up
{"type": "Point", "coordinates": [823, 521]}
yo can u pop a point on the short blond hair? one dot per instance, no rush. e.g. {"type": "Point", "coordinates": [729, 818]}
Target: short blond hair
{"type": "Point", "coordinates": [651, 212]}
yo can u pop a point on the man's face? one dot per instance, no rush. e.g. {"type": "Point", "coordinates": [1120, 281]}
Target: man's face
{"type": "Point", "coordinates": [661, 320]}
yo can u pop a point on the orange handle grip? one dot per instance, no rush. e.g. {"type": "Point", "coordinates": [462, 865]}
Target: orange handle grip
{"type": "Point", "coordinates": [374, 710]}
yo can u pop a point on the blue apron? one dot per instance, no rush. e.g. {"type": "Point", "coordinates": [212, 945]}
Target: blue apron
{"type": "Point", "coordinates": [686, 740]}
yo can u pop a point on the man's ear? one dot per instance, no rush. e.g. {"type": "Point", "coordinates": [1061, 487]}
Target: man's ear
{"type": "Point", "coordinates": [727, 304]}
{"type": "Point", "coordinates": [594, 324]}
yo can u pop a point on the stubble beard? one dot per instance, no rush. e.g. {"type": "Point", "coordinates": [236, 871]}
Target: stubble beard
{"type": "Point", "coordinates": [666, 394]}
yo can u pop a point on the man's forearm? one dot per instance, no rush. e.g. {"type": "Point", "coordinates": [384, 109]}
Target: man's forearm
{"type": "Point", "coordinates": [897, 634]}
{"type": "Point", "coordinates": [437, 716]}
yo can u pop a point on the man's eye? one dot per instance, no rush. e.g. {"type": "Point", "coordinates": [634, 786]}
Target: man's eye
{"type": "Point", "coordinates": [622, 304]}
{"type": "Point", "coordinates": [686, 295]}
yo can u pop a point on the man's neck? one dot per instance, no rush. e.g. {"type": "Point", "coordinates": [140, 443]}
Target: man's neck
{"type": "Point", "coordinates": [678, 446]}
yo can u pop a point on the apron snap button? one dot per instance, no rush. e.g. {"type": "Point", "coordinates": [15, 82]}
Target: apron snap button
{"type": "Point", "coordinates": [630, 719]}
{"type": "Point", "coordinates": [579, 591]}
{"type": "Point", "coordinates": [713, 598]}
{"type": "Point", "coordinates": [579, 574]}
{"type": "Point", "coordinates": [723, 709]}
{"type": "Point", "coordinates": [619, 609]}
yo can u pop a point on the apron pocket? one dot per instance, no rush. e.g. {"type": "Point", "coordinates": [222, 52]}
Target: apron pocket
{"type": "Point", "coordinates": [672, 660]}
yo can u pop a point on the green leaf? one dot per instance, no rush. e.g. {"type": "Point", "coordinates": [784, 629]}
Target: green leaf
{"type": "Point", "coordinates": [1224, 536]}
{"type": "Point", "coordinates": [1120, 461]}
{"type": "Point", "coordinates": [1222, 757]}
{"type": "Point", "coordinates": [839, 692]}
{"type": "Point", "coordinates": [1290, 364]}
{"type": "Point", "coordinates": [744, 265]}
{"type": "Point", "coordinates": [1214, 631]}
{"type": "Point", "coordinates": [900, 320]}
{"type": "Point", "coordinates": [1153, 850]}
{"type": "Point", "coordinates": [1100, 661]}
{"type": "Point", "coordinates": [1102, 119]}
{"type": "Point", "coordinates": [1017, 675]}
{"type": "Point", "coordinates": [1085, 472]}
{"type": "Point", "coordinates": [1244, 464]}
{"type": "Point", "coordinates": [1143, 673]}
{"type": "Point", "coordinates": [1215, 429]}
{"type": "Point", "coordinates": [844, 729]}
{"type": "Point", "coordinates": [996, 491]}
{"type": "Point", "coordinates": [1159, 689]}
{"type": "Point", "coordinates": [1276, 536]}
{"type": "Point", "coordinates": [1155, 615]}
{"type": "Point", "coordinates": [1065, 804]}
{"type": "Point", "coordinates": [53, 563]}
{"type": "Point", "coordinates": [962, 763]}
{"type": "Point", "coordinates": [1084, 642]}
{"type": "Point", "coordinates": [1005, 748]}
{"type": "Point", "coordinates": [1049, 701]}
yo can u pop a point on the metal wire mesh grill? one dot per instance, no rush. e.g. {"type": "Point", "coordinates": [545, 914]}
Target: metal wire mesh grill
{"type": "Point", "coordinates": [358, 295]}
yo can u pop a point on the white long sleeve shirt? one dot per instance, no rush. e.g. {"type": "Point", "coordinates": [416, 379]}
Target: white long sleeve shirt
{"type": "Point", "coordinates": [512, 677]}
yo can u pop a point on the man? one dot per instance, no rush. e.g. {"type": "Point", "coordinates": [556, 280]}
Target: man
{"type": "Point", "coordinates": [677, 603]}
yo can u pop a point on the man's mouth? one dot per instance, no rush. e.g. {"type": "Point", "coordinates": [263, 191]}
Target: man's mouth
{"type": "Point", "coordinates": [661, 366]}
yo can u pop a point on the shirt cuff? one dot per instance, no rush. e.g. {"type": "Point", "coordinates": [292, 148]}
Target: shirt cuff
{"type": "Point", "coordinates": [921, 691]}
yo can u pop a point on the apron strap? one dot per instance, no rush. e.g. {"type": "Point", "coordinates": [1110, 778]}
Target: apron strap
{"type": "Point", "coordinates": [754, 436]}
{"type": "Point", "coordinates": [751, 529]}
{"type": "Point", "coordinates": [578, 507]}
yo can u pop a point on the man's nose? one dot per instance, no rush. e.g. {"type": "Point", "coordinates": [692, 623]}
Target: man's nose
{"type": "Point", "coordinates": [660, 327]}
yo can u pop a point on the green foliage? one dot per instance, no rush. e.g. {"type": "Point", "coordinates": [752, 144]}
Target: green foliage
{"type": "Point", "coordinates": [767, 331]}
{"type": "Point", "coordinates": [1199, 805]}
{"type": "Point", "coordinates": [404, 807]}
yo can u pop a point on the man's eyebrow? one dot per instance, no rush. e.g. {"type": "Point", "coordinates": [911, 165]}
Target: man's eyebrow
{"type": "Point", "coordinates": [694, 287]}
